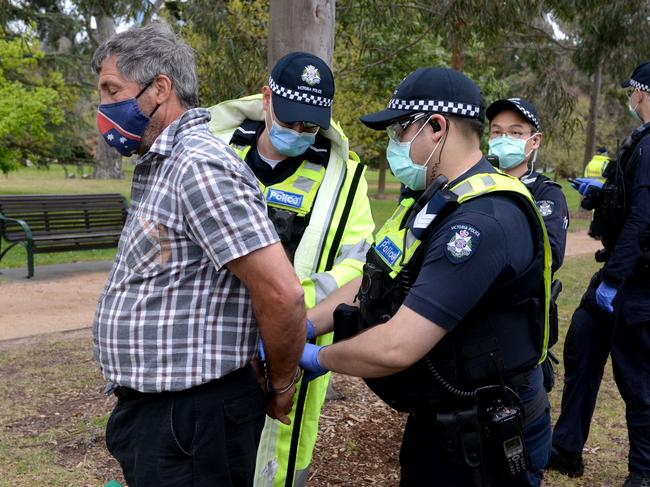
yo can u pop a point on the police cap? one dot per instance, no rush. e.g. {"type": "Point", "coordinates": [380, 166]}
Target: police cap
{"type": "Point", "coordinates": [519, 105]}
{"type": "Point", "coordinates": [640, 78]}
{"type": "Point", "coordinates": [303, 89]}
{"type": "Point", "coordinates": [438, 90]}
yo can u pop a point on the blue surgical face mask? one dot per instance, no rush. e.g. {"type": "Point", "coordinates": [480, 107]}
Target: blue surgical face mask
{"type": "Point", "coordinates": [510, 151]}
{"type": "Point", "coordinates": [122, 124]}
{"type": "Point", "coordinates": [289, 142]}
{"type": "Point", "coordinates": [405, 170]}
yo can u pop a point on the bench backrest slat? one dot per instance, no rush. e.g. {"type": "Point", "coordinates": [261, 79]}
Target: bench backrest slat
{"type": "Point", "coordinates": [60, 214]}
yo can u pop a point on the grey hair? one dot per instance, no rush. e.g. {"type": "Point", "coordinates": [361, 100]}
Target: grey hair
{"type": "Point", "coordinates": [145, 52]}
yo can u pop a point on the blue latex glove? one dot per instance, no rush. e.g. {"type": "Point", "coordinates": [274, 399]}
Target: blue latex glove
{"type": "Point", "coordinates": [605, 294]}
{"type": "Point", "coordinates": [260, 350]}
{"type": "Point", "coordinates": [309, 362]}
{"type": "Point", "coordinates": [311, 333]}
{"type": "Point", "coordinates": [583, 184]}
{"type": "Point", "coordinates": [311, 330]}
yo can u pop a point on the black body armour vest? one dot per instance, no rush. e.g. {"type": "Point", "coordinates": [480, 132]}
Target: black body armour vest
{"type": "Point", "coordinates": [500, 338]}
{"type": "Point", "coordinates": [614, 199]}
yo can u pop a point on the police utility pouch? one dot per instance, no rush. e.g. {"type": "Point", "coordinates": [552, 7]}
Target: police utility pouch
{"type": "Point", "coordinates": [346, 322]}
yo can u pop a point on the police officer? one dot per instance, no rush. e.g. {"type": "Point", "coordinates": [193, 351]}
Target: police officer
{"type": "Point", "coordinates": [515, 138]}
{"type": "Point", "coordinates": [316, 194]}
{"type": "Point", "coordinates": [586, 347]}
{"type": "Point", "coordinates": [596, 166]}
{"type": "Point", "coordinates": [451, 281]}
{"type": "Point", "coordinates": [624, 208]}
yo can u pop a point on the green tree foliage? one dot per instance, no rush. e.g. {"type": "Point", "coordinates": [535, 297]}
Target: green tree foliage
{"type": "Point", "coordinates": [31, 101]}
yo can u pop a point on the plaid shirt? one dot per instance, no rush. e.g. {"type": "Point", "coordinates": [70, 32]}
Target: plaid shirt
{"type": "Point", "coordinates": [171, 316]}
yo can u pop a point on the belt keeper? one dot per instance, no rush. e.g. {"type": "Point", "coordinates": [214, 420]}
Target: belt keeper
{"type": "Point", "coordinates": [282, 390]}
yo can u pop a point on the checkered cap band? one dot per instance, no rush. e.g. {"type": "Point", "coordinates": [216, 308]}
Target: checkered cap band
{"type": "Point", "coordinates": [299, 96]}
{"type": "Point", "coordinates": [529, 115]}
{"type": "Point", "coordinates": [435, 106]}
{"type": "Point", "coordinates": [640, 86]}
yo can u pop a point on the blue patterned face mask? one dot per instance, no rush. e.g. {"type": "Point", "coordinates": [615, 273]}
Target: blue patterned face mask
{"type": "Point", "coordinates": [289, 142]}
{"type": "Point", "coordinates": [122, 124]}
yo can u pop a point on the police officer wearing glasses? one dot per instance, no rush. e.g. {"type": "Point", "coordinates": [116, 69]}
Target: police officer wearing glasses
{"type": "Point", "coordinates": [449, 322]}
{"type": "Point", "coordinates": [622, 213]}
{"type": "Point", "coordinates": [515, 139]}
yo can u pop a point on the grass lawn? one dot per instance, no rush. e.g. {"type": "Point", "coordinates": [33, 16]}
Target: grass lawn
{"type": "Point", "coordinates": [52, 415]}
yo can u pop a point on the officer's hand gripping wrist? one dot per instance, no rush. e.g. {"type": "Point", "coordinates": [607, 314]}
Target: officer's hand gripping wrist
{"type": "Point", "coordinates": [309, 362]}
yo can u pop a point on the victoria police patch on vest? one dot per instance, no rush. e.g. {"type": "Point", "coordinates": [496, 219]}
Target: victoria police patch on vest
{"type": "Point", "coordinates": [284, 198]}
{"type": "Point", "coordinates": [462, 241]}
{"type": "Point", "coordinates": [388, 250]}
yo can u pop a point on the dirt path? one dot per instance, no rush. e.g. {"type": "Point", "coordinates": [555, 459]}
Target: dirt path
{"type": "Point", "coordinates": [63, 298]}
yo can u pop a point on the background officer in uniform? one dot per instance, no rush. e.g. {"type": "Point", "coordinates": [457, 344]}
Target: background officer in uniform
{"type": "Point", "coordinates": [595, 167]}
{"type": "Point", "coordinates": [624, 208]}
{"type": "Point", "coordinates": [476, 252]}
{"type": "Point", "coordinates": [586, 347]}
{"type": "Point", "coordinates": [316, 194]}
{"type": "Point", "coordinates": [515, 138]}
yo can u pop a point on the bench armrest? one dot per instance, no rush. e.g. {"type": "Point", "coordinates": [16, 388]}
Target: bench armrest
{"type": "Point", "coordinates": [23, 225]}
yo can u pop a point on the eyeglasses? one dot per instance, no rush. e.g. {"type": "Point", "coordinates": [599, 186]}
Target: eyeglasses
{"type": "Point", "coordinates": [303, 126]}
{"type": "Point", "coordinates": [514, 134]}
{"type": "Point", "coordinates": [397, 130]}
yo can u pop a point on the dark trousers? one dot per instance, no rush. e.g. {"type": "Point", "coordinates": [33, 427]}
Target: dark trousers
{"type": "Point", "coordinates": [586, 349]}
{"type": "Point", "coordinates": [631, 363]}
{"type": "Point", "coordinates": [203, 436]}
{"type": "Point", "coordinates": [424, 462]}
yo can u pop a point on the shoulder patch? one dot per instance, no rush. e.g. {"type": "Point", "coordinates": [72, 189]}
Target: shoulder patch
{"type": "Point", "coordinates": [462, 241]}
{"type": "Point", "coordinates": [545, 207]}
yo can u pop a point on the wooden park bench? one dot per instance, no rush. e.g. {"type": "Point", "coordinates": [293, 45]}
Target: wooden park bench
{"type": "Point", "coordinates": [60, 222]}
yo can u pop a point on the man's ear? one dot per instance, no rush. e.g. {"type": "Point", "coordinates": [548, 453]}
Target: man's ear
{"type": "Point", "coordinates": [266, 97]}
{"type": "Point", "coordinates": [162, 88]}
{"type": "Point", "coordinates": [440, 125]}
{"type": "Point", "coordinates": [537, 141]}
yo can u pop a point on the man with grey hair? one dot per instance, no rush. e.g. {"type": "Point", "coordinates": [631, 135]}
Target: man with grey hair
{"type": "Point", "coordinates": [199, 268]}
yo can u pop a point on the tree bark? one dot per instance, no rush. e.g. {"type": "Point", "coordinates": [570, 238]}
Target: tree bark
{"type": "Point", "coordinates": [457, 48]}
{"type": "Point", "coordinates": [108, 161]}
{"type": "Point", "coordinates": [307, 26]}
{"type": "Point", "coordinates": [590, 139]}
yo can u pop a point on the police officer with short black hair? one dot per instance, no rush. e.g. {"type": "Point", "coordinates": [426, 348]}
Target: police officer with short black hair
{"type": "Point", "coordinates": [453, 303]}
{"type": "Point", "coordinates": [622, 209]}
{"type": "Point", "coordinates": [515, 138]}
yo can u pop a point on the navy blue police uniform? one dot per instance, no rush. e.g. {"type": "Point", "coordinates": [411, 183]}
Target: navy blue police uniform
{"type": "Point", "coordinates": [552, 205]}
{"type": "Point", "coordinates": [479, 272]}
{"type": "Point", "coordinates": [628, 269]}
{"type": "Point", "coordinates": [449, 286]}
{"type": "Point", "coordinates": [622, 222]}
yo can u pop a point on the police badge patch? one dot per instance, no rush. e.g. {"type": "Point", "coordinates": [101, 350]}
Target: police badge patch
{"type": "Point", "coordinates": [545, 207]}
{"type": "Point", "coordinates": [310, 75]}
{"type": "Point", "coordinates": [462, 241]}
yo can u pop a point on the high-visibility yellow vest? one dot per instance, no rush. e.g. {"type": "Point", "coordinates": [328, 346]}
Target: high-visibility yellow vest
{"type": "Point", "coordinates": [330, 254]}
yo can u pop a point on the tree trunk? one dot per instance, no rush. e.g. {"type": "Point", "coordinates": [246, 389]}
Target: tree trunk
{"type": "Point", "coordinates": [590, 142]}
{"type": "Point", "coordinates": [307, 26]}
{"type": "Point", "coordinates": [109, 161]}
{"type": "Point", "coordinates": [381, 182]}
{"type": "Point", "coordinates": [457, 50]}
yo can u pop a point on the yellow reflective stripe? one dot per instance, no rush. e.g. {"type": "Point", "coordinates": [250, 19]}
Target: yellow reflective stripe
{"type": "Point", "coordinates": [480, 184]}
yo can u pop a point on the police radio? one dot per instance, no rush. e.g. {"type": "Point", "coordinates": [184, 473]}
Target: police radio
{"type": "Point", "coordinates": [505, 427]}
